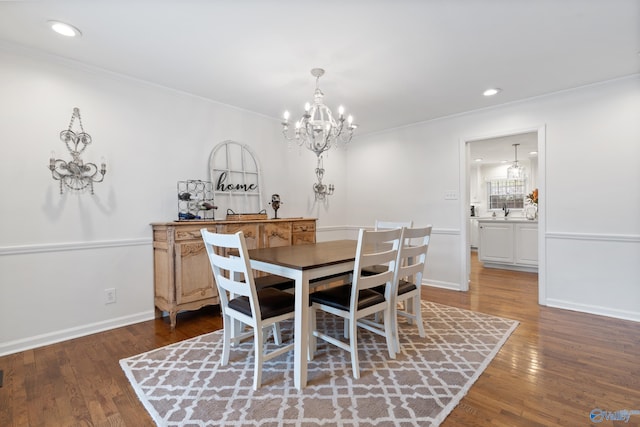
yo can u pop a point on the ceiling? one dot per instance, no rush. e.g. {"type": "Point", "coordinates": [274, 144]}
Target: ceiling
{"type": "Point", "coordinates": [500, 149]}
{"type": "Point", "coordinates": [390, 63]}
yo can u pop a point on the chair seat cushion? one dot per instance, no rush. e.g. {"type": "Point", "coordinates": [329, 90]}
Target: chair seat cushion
{"type": "Point", "coordinates": [273, 302]}
{"type": "Point", "coordinates": [340, 297]}
{"type": "Point", "coordinates": [274, 281]}
{"type": "Point", "coordinates": [404, 287]}
{"type": "Point", "coordinates": [374, 269]}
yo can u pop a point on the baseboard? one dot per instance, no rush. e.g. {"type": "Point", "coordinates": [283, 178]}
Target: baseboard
{"type": "Point", "coordinates": [593, 309]}
{"type": "Point", "coordinates": [71, 333]}
{"type": "Point", "coordinates": [513, 267]}
{"type": "Point", "coordinates": [442, 285]}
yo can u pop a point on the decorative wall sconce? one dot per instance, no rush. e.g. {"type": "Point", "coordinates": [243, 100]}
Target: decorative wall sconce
{"type": "Point", "coordinates": [321, 190]}
{"type": "Point", "coordinates": [75, 174]}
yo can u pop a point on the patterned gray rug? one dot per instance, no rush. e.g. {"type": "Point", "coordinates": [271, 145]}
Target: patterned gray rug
{"type": "Point", "coordinates": [183, 384]}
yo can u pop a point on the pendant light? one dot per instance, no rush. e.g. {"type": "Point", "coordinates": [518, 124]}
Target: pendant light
{"type": "Point", "coordinates": [515, 171]}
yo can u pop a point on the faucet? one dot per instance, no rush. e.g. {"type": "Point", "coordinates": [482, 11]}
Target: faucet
{"type": "Point", "coordinates": [505, 209]}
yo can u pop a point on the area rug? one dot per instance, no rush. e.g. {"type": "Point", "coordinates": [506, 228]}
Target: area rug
{"type": "Point", "coordinates": [183, 384]}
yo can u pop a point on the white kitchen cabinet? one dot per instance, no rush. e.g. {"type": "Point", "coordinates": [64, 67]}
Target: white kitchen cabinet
{"type": "Point", "coordinates": [526, 243]}
{"type": "Point", "coordinates": [496, 241]}
{"type": "Point", "coordinates": [474, 235]}
{"type": "Point", "coordinates": [511, 244]}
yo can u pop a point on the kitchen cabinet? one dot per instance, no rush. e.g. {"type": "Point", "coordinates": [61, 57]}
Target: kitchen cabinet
{"type": "Point", "coordinates": [474, 236]}
{"type": "Point", "coordinates": [182, 274]}
{"type": "Point", "coordinates": [526, 250]}
{"type": "Point", "coordinates": [510, 243]}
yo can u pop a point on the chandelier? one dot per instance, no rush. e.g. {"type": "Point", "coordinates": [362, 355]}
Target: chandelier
{"type": "Point", "coordinates": [75, 174]}
{"type": "Point", "coordinates": [318, 130]}
{"type": "Point", "coordinates": [515, 171]}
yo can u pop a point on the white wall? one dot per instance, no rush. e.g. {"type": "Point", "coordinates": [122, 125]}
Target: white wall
{"type": "Point", "coordinates": [590, 199]}
{"type": "Point", "coordinates": [59, 252]}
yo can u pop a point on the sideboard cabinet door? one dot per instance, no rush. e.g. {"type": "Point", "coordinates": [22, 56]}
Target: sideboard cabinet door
{"type": "Point", "coordinates": [194, 280]}
{"type": "Point", "coordinates": [277, 234]}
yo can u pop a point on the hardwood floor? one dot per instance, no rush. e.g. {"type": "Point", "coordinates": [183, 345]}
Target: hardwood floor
{"type": "Point", "coordinates": [556, 367]}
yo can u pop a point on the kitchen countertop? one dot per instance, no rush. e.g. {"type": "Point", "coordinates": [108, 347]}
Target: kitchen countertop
{"type": "Point", "coordinates": [501, 218]}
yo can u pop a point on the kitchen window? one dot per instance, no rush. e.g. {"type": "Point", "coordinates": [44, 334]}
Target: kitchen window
{"type": "Point", "coordinates": [509, 192]}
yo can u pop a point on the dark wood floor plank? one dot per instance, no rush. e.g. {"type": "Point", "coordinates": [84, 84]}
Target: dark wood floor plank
{"type": "Point", "coordinates": [556, 367]}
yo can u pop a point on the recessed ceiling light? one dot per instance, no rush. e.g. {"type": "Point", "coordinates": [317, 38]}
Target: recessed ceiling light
{"type": "Point", "coordinates": [64, 29]}
{"type": "Point", "coordinates": [533, 153]}
{"type": "Point", "coordinates": [503, 161]}
{"type": "Point", "coordinates": [492, 91]}
{"type": "Point", "coordinates": [477, 160]}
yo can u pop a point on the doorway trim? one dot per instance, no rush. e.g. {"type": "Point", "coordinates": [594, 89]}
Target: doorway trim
{"type": "Point", "coordinates": [465, 162]}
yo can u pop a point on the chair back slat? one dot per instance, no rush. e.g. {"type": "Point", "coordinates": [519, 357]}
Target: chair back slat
{"type": "Point", "coordinates": [383, 257]}
{"type": "Point", "coordinates": [372, 281]}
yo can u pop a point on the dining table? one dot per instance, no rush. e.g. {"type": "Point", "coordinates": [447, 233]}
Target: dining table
{"type": "Point", "coordinates": [305, 264]}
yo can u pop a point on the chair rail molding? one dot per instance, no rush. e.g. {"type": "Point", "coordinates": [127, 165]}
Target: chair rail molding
{"type": "Point", "coordinates": [594, 237]}
{"type": "Point", "coordinates": [72, 246]}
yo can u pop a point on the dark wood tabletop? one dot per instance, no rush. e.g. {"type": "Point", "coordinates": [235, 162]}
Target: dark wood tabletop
{"type": "Point", "coordinates": [305, 257]}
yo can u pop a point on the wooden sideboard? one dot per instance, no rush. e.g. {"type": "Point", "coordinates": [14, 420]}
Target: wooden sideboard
{"type": "Point", "coordinates": [182, 274]}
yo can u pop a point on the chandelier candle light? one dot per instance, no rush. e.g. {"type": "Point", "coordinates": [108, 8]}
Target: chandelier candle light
{"type": "Point", "coordinates": [75, 174]}
{"type": "Point", "coordinates": [318, 131]}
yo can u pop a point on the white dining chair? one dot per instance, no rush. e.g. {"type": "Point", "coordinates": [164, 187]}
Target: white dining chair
{"type": "Point", "coordinates": [408, 278]}
{"type": "Point", "coordinates": [386, 225]}
{"type": "Point", "coordinates": [355, 301]}
{"type": "Point", "coordinates": [241, 301]}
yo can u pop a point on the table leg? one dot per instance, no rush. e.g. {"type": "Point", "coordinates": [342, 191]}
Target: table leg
{"type": "Point", "coordinates": [301, 329]}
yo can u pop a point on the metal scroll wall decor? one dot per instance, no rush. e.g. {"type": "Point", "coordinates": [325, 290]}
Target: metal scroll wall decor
{"type": "Point", "coordinates": [76, 175]}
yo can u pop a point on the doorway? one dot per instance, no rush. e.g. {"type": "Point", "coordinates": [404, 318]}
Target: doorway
{"type": "Point", "coordinates": [498, 152]}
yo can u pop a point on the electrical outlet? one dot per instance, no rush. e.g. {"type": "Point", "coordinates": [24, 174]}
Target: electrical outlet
{"type": "Point", "coordinates": [451, 195]}
{"type": "Point", "coordinates": [110, 296]}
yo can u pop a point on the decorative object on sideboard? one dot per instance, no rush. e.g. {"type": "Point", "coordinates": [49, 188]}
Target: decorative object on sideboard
{"type": "Point", "coordinates": [318, 131]}
{"type": "Point", "coordinates": [195, 200]}
{"type": "Point", "coordinates": [234, 216]}
{"type": "Point", "coordinates": [76, 175]}
{"type": "Point", "coordinates": [516, 170]}
{"type": "Point", "coordinates": [275, 204]}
